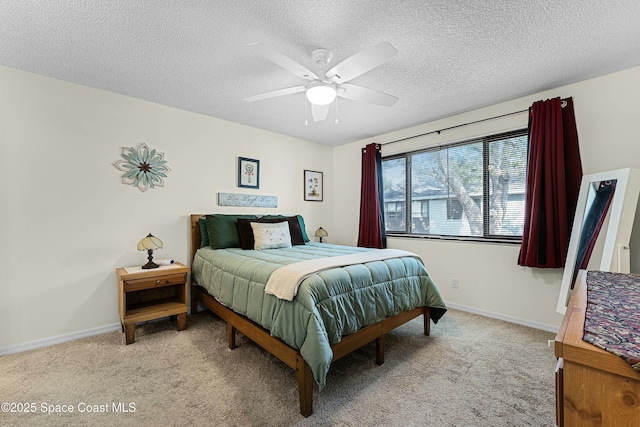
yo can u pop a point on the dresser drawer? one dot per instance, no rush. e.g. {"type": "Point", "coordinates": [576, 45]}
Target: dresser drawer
{"type": "Point", "coordinates": [154, 282]}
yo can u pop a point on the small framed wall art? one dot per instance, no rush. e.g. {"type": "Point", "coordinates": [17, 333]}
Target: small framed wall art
{"type": "Point", "coordinates": [248, 173]}
{"type": "Point", "coordinates": [313, 186]}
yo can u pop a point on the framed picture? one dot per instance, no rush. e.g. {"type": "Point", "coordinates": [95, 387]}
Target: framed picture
{"type": "Point", "coordinates": [313, 186]}
{"type": "Point", "coordinates": [248, 173]}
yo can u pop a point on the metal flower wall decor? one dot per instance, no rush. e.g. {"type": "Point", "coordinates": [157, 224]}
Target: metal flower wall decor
{"type": "Point", "coordinates": [143, 167]}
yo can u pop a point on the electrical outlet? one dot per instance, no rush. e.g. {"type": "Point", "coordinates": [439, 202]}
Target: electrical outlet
{"type": "Point", "coordinates": [454, 283]}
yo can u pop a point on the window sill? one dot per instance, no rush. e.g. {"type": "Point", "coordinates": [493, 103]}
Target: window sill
{"type": "Point", "coordinates": [505, 241]}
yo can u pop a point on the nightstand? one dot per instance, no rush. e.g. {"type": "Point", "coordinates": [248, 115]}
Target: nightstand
{"type": "Point", "coordinates": [151, 294]}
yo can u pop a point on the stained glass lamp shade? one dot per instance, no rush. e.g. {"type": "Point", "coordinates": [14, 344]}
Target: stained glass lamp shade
{"type": "Point", "coordinates": [321, 232]}
{"type": "Point", "coordinates": [149, 243]}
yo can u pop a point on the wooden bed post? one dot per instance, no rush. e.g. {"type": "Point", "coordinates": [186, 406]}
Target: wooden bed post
{"type": "Point", "coordinates": [231, 333]}
{"type": "Point", "coordinates": [194, 245]}
{"type": "Point", "coordinates": [194, 300]}
{"type": "Point", "coordinates": [380, 350]}
{"type": "Point", "coordinates": [305, 386]}
{"type": "Point", "coordinates": [427, 321]}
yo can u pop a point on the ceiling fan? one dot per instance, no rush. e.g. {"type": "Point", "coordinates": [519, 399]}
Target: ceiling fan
{"type": "Point", "coordinates": [321, 92]}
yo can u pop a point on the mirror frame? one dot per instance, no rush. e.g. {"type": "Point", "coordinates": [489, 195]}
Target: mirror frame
{"type": "Point", "coordinates": [621, 216]}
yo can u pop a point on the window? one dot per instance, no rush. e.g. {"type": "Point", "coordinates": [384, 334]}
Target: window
{"type": "Point", "coordinates": [394, 176]}
{"type": "Point", "coordinates": [474, 189]}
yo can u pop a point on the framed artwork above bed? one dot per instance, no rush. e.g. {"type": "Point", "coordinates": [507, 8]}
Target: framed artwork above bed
{"type": "Point", "coordinates": [248, 173]}
{"type": "Point", "coordinates": [313, 186]}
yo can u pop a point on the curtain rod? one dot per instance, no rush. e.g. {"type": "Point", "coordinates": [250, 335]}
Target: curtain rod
{"type": "Point", "coordinates": [456, 126]}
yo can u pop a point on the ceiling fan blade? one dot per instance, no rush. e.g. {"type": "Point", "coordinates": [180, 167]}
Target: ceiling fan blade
{"type": "Point", "coordinates": [361, 62]}
{"type": "Point", "coordinates": [319, 112]}
{"type": "Point", "coordinates": [283, 61]}
{"type": "Point", "coordinates": [363, 94]}
{"type": "Point", "coordinates": [279, 92]}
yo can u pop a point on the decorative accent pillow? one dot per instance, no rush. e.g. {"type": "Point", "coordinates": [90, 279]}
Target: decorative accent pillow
{"type": "Point", "coordinates": [271, 235]}
{"type": "Point", "coordinates": [246, 232]}
{"type": "Point", "coordinates": [303, 228]}
{"type": "Point", "coordinates": [204, 234]}
{"type": "Point", "coordinates": [297, 235]}
{"type": "Point", "coordinates": [223, 230]}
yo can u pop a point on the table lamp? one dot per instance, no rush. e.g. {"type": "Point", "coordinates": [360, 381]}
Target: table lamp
{"type": "Point", "coordinates": [149, 243]}
{"type": "Point", "coordinates": [321, 232]}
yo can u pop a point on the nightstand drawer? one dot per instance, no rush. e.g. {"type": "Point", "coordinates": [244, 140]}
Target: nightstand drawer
{"type": "Point", "coordinates": [131, 285]}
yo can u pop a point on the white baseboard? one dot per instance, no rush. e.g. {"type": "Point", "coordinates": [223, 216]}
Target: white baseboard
{"type": "Point", "coordinates": [511, 319]}
{"type": "Point", "coordinates": [45, 342]}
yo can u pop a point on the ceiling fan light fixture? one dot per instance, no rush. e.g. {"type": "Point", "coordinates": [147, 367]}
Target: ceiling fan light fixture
{"type": "Point", "coordinates": [321, 93]}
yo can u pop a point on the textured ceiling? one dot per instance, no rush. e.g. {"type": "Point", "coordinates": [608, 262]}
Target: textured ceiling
{"type": "Point", "coordinates": [454, 55]}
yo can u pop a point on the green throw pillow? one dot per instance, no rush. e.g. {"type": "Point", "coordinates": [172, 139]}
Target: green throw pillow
{"type": "Point", "coordinates": [303, 228]}
{"type": "Point", "coordinates": [204, 234]}
{"type": "Point", "coordinates": [223, 230]}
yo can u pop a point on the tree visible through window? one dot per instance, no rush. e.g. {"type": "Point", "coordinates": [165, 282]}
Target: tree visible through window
{"type": "Point", "coordinates": [471, 189]}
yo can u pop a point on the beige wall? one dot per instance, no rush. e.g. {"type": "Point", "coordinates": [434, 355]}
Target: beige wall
{"type": "Point", "coordinates": [67, 221]}
{"type": "Point", "coordinates": [490, 281]}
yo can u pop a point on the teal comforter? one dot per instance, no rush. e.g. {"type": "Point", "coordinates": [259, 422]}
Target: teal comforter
{"type": "Point", "coordinates": [328, 305]}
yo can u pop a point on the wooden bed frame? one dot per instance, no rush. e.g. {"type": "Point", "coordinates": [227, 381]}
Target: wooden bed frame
{"type": "Point", "coordinates": [290, 356]}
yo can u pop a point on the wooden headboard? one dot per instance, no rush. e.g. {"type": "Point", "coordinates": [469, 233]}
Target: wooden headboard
{"type": "Point", "coordinates": [195, 236]}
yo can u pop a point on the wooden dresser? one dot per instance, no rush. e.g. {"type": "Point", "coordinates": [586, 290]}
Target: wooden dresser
{"type": "Point", "coordinates": [593, 386]}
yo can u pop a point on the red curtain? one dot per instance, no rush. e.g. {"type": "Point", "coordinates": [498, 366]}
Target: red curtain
{"type": "Point", "coordinates": [554, 171]}
{"type": "Point", "coordinates": [371, 232]}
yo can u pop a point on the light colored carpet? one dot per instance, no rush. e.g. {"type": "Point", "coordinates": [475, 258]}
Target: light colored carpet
{"type": "Point", "coordinates": [471, 371]}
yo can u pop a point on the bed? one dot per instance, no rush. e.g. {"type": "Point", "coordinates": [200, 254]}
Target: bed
{"type": "Point", "coordinates": [332, 311]}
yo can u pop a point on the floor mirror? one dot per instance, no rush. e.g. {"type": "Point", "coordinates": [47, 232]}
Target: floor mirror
{"type": "Point", "coordinates": [601, 232]}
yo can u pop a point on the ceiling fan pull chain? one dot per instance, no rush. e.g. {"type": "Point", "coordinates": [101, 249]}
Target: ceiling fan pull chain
{"type": "Point", "coordinates": [336, 110]}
